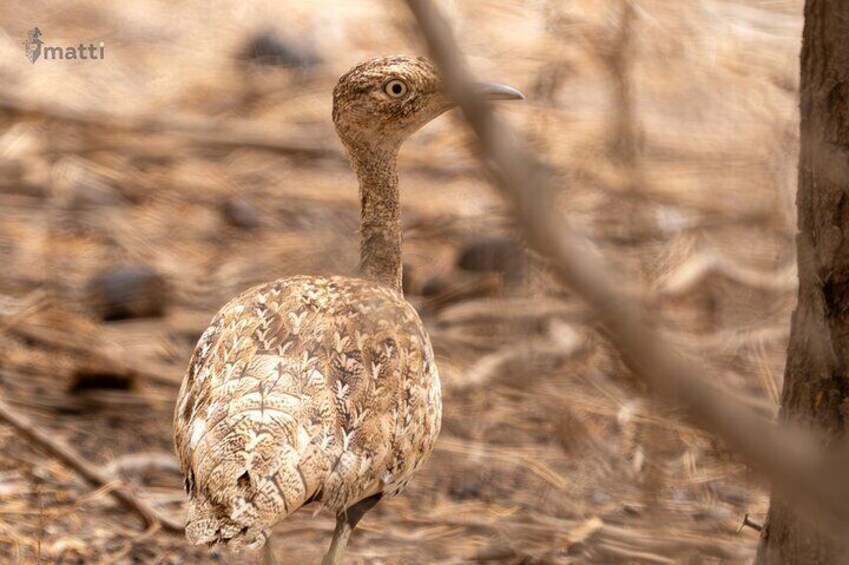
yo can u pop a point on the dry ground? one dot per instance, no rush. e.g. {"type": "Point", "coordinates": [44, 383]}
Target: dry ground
{"type": "Point", "coordinates": [549, 453]}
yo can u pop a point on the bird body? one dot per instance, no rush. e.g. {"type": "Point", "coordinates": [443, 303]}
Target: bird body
{"type": "Point", "coordinates": [306, 388]}
{"type": "Point", "coordinates": [321, 389]}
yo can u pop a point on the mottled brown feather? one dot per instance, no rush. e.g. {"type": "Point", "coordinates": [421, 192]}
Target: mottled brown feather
{"type": "Point", "coordinates": [304, 387]}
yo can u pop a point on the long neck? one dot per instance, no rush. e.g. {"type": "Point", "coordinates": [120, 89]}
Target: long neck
{"type": "Point", "coordinates": [380, 221]}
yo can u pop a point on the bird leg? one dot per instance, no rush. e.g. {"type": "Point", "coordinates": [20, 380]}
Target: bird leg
{"type": "Point", "coordinates": [268, 554]}
{"type": "Point", "coordinates": [346, 521]}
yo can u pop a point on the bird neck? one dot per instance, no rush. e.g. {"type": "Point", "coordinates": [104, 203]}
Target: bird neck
{"type": "Point", "coordinates": [380, 220]}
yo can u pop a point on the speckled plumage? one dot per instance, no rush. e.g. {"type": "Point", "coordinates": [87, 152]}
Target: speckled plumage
{"type": "Point", "coordinates": [318, 389]}
{"type": "Point", "coordinates": [303, 388]}
{"type": "Point", "coordinates": [372, 127]}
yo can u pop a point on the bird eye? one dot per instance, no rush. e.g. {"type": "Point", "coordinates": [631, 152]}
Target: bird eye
{"type": "Point", "coordinates": [395, 88]}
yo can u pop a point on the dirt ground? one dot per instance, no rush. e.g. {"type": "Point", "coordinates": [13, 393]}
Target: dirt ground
{"type": "Point", "coordinates": [180, 161]}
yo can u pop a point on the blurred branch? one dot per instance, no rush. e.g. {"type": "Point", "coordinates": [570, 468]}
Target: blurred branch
{"type": "Point", "coordinates": [489, 311]}
{"type": "Point", "coordinates": [625, 136]}
{"type": "Point", "coordinates": [36, 320]}
{"type": "Point", "coordinates": [202, 130]}
{"type": "Point", "coordinates": [136, 462]}
{"type": "Point", "coordinates": [790, 457]}
{"type": "Point", "coordinates": [97, 477]}
{"type": "Point", "coordinates": [58, 337]}
{"type": "Point", "coordinates": [489, 369]}
{"type": "Point", "coordinates": [694, 272]}
{"type": "Point", "coordinates": [618, 57]}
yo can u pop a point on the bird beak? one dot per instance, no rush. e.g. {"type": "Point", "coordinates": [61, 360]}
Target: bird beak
{"type": "Point", "coordinates": [497, 91]}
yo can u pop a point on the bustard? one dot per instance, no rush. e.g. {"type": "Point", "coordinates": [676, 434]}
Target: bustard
{"type": "Point", "coordinates": [321, 389]}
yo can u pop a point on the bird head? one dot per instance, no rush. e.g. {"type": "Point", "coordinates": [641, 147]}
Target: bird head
{"type": "Point", "coordinates": [381, 102]}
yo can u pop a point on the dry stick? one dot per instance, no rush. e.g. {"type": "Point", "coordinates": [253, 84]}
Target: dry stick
{"type": "Point", "coordinates": [619, 62]}
{"type": "Point", "coordinates": [131, 462]}
{"type": "Point", "coordinates": [625, 145]}
{"type": "Point", "coordinates": [197, 129]}
{"type": "Point", "coordinates": [57, 338]}
{"type": "Point", "coordinates": [791, 458]}
{"type": "Point", "coordinates": [91, 473]}
{"type": "Point", "coordinates": [19, 323]}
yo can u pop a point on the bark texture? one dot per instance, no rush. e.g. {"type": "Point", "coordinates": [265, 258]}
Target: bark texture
{"type": "Point", "coordinates": [816, 380]}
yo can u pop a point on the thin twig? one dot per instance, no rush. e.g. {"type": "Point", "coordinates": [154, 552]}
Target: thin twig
{"type": "Point", "coordinates": [41, 524]}
{"type": "Point", "coordinates": [790, 457]}
{"type": "Point", "coordinates": [135, 462]}
{"type": "Point", "coordinates": [98, 351]}
{"type": "Point", "coordinates": [490, 368]}
{"type": "Point", "coordinates": [91, 473]}
{"type": "Point", "coordinates": [195, 128]}
{"type": "Point", "coordinates": [749, 523]}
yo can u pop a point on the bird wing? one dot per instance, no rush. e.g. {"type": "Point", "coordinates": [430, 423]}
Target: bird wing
{"type": "Point", "coordinates": [253, 422]}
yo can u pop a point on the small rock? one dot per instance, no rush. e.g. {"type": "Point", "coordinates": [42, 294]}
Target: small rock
{"type": "Point", "coordinates": [434, 285]}
{"type": "Point", "coordinates": [133, 291]}
{"type": "Point", "coordinates": [83, 381]}
{"type": "Point", "coordinates": [92, 192]}
{"type": "Point", "coordinates": [494, 254]}
{"type": "Point", "coordinates": [712, 514]}
{"type": "Point", "coordinates": [78, 185]}
{"type": "Point", "coordinates": [465, 490]}
{"type": "Point", "coordinates": [11, 172]}
{"type": "Point", "coordinates": [269, 48]}
{"type": "Point", "coordinates": [633, 509]}
{"type": "Point", "coordinates": [240, 213]}
{"type": "Point", "coordinates": [600, 498]}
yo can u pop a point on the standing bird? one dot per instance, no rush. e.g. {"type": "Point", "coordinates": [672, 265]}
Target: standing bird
{"type": "Point", "coordinates": [321, 389]}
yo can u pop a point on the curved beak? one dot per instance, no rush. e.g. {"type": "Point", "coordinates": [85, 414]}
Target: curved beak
{"type": "Point", "coordinates": [498, 91]}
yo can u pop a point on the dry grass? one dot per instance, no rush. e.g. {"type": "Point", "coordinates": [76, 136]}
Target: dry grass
{"type": "Point", "coordinates": [549, 452]}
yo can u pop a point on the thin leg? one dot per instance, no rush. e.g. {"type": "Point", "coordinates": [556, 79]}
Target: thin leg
{"type": "Point", "coordinates": [268, 553]}
{"type": "Point", "coordinates": [345, 523]}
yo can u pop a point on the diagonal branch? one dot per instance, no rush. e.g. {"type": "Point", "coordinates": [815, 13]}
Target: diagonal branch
{"type": "Point", "coordinates": [91, 473]}
{"type": "Point", "coordinates": [791, 458]}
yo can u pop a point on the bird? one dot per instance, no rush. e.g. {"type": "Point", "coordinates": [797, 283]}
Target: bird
{"type": "Point", "coordinates": [321, 389]}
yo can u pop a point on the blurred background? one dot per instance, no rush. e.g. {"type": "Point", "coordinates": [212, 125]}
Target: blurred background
{"type": "Point", "coordinates": [140, 192]}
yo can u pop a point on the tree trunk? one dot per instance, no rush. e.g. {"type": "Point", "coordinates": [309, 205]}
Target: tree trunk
{"type": "Point", "coordinates": [816, 380]}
